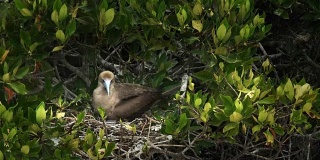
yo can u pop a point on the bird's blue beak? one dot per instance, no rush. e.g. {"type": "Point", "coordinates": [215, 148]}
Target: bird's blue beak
{"type": "Point", "coordinates": [106, 84]}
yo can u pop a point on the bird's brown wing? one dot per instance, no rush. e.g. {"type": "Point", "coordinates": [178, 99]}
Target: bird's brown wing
{"type": "Point", "coordinates": [134, 100]}
{"type": "Point", "coordinates": [129, 90]}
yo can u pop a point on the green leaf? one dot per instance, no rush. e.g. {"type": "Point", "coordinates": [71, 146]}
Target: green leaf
{"type": "Point", "coordinates": [57, 5]}
{"type": "Point", "coordinates": [55, 17]}
{"type": "Point", "coordinates": [307, 107]}
{"type": "Point", "coordinates": [63, 13]}
{"type": "Point", "coordinates": [89, 138]}
{"type": "Point", "coordinates": [197, 102]}
{"type": "Point", "coordinates": [230, 59]}
{"type": "Point", "coordinates": [101, 112]}
{"type": "Point", "coordinates": [18, 87]}
{"type": "Point", "coordinates": [229, 106]}
{"type": "Point", "coordinates": [221, 32]}
{"type": "Point", "coordinates": [263, 115]}
{"type": "Point", "coordinates": [22, 72]}
{"type": "Point", "coordinates": [103, 5]}
{"type": "Point", "coordinates": [229, 126]}
{"type": "Point", "coordinates": [207, 107]}
{"type": "Point", "coordinates": [256, 128]}
{"type": "Point", "coordinates": [268, 100]}
{"type": "Point", "coordinates": [183, 121]}
{"type": "Point", "coordinates": [25, 38]}
{"type": "Point", "coordinates": [279, 130]}
{"type": "Point", "coordinates": [197, 24]}
{"type": "Point", "coordinates": [169, 126]}
{"type": "Point", "coordinates": [40, 113]}
{"type": "Point", "coordinates": [25, 149]}
{"type": "Point", "coordinates": [12, 133]}
{"type": "Point", "coordinates": [57, 48]}
{"type": "Point", "coordinates": [1, 156]}
{"type": "Point", "coordinates": [60, 35]}
{"type": "Point", "coordinates": [110, 146]}
{"type": "Point", "coordinates": [301, 90]}
{"type": "Point", "coordinates": [269, 136]}
{"type": "Point", "coordinates": [80, 117]}
{"type": "Point", "coordinates": [204, 75]}
{"type": "Point", "coordinates": [239, 105]}
{"type": "Point", "coordinates": [7, 116]}
{"type": "Point", "coordinates": [182, 16]}
{"type": "Point", "coordinates": [26, 12]}
{"type": "Point", "coordinates": [19, 4]}
{"type": "Point", "coordinates": [235, 117]}
{"type": "Point", "coordinates": [289, 90]}
{"type": "Point", "coordinates": [197, 9]}
{"type": "Point", "coordinates": [71, 28]}
{"type": "Point", "coordinates": [2, 109]}
{"type": "Point", "coordinates": [109, 15]}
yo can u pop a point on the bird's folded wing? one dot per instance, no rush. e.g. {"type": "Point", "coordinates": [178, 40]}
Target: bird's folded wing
{"type": "Point", "coordinates": [129, 91]}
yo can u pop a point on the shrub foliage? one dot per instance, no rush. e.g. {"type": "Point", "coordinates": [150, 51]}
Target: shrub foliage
{"type": "Point", "coordinates": [52, 51]}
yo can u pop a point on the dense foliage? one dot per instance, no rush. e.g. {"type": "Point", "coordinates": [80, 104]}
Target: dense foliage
{"type": "Point", "coordinates": [237, 104]}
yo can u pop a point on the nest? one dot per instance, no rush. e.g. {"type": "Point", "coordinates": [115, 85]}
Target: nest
{"type": "Point", "coordinates": [146, 142]}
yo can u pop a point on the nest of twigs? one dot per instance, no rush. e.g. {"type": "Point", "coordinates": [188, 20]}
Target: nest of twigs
{"type": "Point", "coordinates": [145, 143]}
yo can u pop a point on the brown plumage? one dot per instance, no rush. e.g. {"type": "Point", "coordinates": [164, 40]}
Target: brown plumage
{"type": "Point", "coordinates": [122, 100]}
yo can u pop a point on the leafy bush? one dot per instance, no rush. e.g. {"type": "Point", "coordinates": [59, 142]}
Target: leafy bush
{"type": "Point", "coordinates": [49, 47]}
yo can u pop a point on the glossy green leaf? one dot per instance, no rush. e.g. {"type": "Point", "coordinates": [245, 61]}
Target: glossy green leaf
{"type": "Point", "coordinates": [41, 113]}
{"type": "Point", "coordinates": [22, 72]}
{"type": "Point", "coordinates": [221, 32]}
{"type": "Point", "coordinates": [109, 15]}
{"type": "Point", "coordinates": [89, 138]}
{"type": "Point", "coordinates": [182, 16]}
{"type": "Point", "coordinates": [228, 104]}
{"type": "Point", "coordinates": [57, 5]}
{"type": "Point", "coordinates": [25, 149]}
{"type": "Point", "coordinates": [197, 102]}
{"type": "Point", "coordinates": [60, 35]}
{"type": "Point", "coordinates": [256, 128]}
{"type": "Point", "coordinates": [268, 100]}
{"type": "Point", "coordinates": [110, 146]}
{"type": "Point", "coordinates": [169, 126]}
{"type": "Point", "coordinates": [55, 17]}
{"type": "Point", "coordinates": [204, 75]}
{"type": "Point", "coordinates": [183, 121]}
{"type": "Point", "coordinates": [18, 87]}
{"type": "Point", "coordinates": [263, 115]}
{"type": "Point", "coordinates": [229, 127]}
{"type": "Point", "coordinates": [12, 133]}
{"type": "Point", "coordinates": [289, 90]}
{"type": "Point", "coordinates": [18, 4]}
{"type": "Point", "coordinates": [7, 116]}
{"type": "Point", "coordinates": [63, 13]}
{"type": "Point", "coordinates": [80, 117]}
{"type": "Point", "coordinates": [239, 105]}
{"type": "Point", "coordinates": [301, 90]}
{"type": "Point", "coordinates": [71, 28]}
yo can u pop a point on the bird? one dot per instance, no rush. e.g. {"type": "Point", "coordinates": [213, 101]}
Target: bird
{"type": "Point", "coordinates": [125, 101]}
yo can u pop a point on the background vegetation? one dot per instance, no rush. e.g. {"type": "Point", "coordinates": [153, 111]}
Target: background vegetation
{"type": "Point", "coordinates": [252, 87]}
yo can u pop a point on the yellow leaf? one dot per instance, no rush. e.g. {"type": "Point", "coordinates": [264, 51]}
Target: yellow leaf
{"type": "Point", "coordinates": [26, 12]}
{"type": "Point", "coordinates": [307, 107]}
{"type": "Point", "coordinates": [197, 24]}
{"type": "Point", "coordinates": [197, 9]}
{"type": "Point", "coordinates": [235, 117]}
{"type": "Point", "coordinates": [57, 48]}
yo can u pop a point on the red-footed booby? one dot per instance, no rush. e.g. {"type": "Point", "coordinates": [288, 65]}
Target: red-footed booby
{"type": "Point", "coordinates": [123, 100]}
